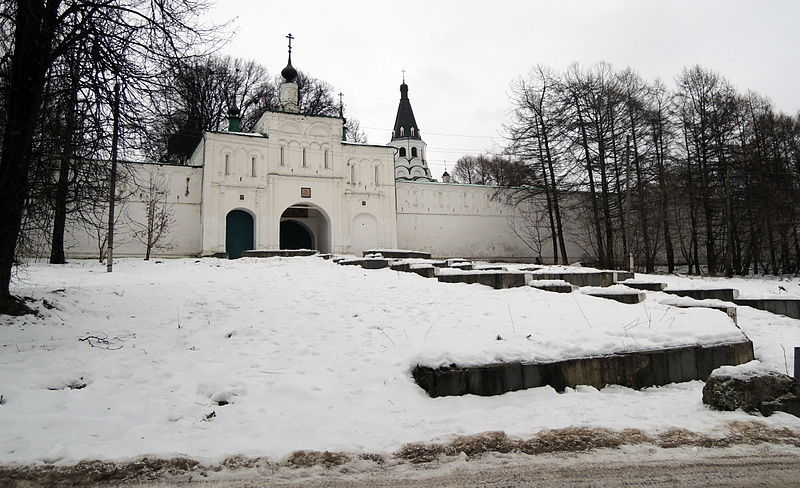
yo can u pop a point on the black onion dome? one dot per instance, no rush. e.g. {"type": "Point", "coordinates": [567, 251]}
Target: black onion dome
{"type": "Point", "coordinates": [233, 111]}
{"type": "Point", "coordinates": [289, 73]}
{"type": "Point", "coordinates": [405, 117]}
{"type": "Point", "coordinates": [445, 174]}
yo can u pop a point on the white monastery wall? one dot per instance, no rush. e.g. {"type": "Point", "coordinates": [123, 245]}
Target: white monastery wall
{"type": "Point", "coordinates": [456, 220]}
{"type": "Point", "coordinates": [469, 221]}
{"type": "Point", "coordinates": [181, 187]}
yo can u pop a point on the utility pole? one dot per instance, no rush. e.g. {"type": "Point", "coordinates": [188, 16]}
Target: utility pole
{"type": "Point", "coordinates": [628, 202]}
{"type": "Point", "coordinates": [113, 180]}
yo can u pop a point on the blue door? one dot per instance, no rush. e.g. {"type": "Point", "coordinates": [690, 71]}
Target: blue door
{"type": "Point", "coordinates": [238, 233]}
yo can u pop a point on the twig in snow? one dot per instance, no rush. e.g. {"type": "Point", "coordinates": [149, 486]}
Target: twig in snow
{"type": "Point", "coordinates": [649, 318]}
{"type": "Point", "coordinates": [405, 332]}
{"type": "Point", "coordinates": [102, 342]}
{"type": "Point", "coordinates": [666, 311]}
{"type": "Point", "coordinates": [387, 336]}
{"type": "Point", "coordinates": [785, 361]}
{"type": "Point", "coordinates": [513, 328]}
{"type": "Point", "coordinates": [579, 308]}
{"type": "Point", "coordinates": [428, 331]}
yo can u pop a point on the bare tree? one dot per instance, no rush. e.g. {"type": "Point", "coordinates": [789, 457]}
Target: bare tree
{"type": "Point", "coordinates": [153, 229]}
{"type": "Point", "coordinates": [127, 39]}
{"type": "Point", "coordinates": [529, 223]}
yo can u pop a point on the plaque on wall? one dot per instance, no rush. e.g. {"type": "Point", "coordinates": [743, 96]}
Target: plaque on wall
{"type": "Point", "coordinates": [305, 192]}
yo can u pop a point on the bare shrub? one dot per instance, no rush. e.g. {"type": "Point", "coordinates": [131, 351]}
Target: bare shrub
{"type": "Point", "coordinates": [307, 459]}
{"type": "Point", "coordinates": [475, 445]}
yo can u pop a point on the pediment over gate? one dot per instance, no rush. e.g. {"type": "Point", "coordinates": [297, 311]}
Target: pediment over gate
{"type": "Point", "coordinates": [319, 129]}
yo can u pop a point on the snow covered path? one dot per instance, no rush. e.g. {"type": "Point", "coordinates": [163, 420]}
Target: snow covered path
{"type": "Point", "coordinates": [210, 358]}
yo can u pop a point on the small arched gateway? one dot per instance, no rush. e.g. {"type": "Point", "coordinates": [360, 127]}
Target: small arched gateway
{"type": "Point", "coordinates": [305, 226]}
{"type": "Point", "coordinates": [238, 233]}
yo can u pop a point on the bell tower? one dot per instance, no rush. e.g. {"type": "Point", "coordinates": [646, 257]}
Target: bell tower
{"type": "Point", "coordinates": [288, 90]}
{"type": "Point", "coordinates": [410, 163]}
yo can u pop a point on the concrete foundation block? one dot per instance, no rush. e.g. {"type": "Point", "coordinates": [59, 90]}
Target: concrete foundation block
{"type": "Point", "coordinates": [375, 263]}
{"type": "Point", "coordinates": [634, 370]}
{"type": "Point", "coordinates": [628, 298]}
{"type": "Point", "coordinates": [512, 377]}
{"type": "Point", "coordinates": [485, 381]}
{"type": "Point", "coordinates": [568, 288]}
{"type": "Point", "coordinates": [398, 254]}
{"type": "Point", "coordinates": [271, 253]}
{"type": "Point", "coordinates": [646, 286]}
{"type": "Point", "coordinates": [660, 368]}
{"type": "Point", "coordinates": [451, 382]}
{"type": "Point", "coordinates": [532, 376]}
{"type": "Point", "coordinates": [725, 294]}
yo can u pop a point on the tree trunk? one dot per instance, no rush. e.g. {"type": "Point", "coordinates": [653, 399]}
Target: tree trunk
{"type": "Point", "coordinates": [601, 255]}
{"type": "Point", "coordinates": [62, 186]}
{"type": "Point", "coordinates": [648, 254]}
{"type": "Point", "coordinates": [658, 142]}
{"type": "Point", "coordinates": [556, 207]}
{"type": "Point", "coordinates": [33, 37]}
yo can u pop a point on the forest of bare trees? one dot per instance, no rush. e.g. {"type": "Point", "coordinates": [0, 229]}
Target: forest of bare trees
{"type": "Point", "coordinates": [697, 175]}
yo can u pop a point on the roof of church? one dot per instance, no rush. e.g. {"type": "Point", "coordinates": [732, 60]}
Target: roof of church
{"type": "Point", "coordinates": [405, 117]}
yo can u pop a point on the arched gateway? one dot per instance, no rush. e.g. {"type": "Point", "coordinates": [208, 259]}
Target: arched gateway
{"type": "Point", "coordinates": [305, 226]}
{"type": "Point", "coordinates": [238, 233]}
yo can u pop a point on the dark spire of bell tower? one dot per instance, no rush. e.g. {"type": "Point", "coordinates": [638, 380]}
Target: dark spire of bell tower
{"type": "Point", "coordinates": [405, 126]}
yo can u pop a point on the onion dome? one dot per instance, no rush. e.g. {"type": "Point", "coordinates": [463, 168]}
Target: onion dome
{"type": "Point", "coordinates": [289, 73]}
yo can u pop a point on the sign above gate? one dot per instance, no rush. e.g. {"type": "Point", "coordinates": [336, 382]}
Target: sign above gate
{"type": "Point", "coordinates": [305, 192]}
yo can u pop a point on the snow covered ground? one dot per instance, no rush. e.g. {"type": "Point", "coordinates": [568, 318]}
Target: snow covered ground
{"type": "Point", "coordinates": [209, 358]}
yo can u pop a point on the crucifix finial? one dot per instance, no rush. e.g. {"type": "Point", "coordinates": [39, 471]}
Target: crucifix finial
{"type": "Point", "coordinates": [341, 105]}
{"type": "Point", "coordinates": [404, 75]}
{"type": "Point", "coordinates": [290, 37]}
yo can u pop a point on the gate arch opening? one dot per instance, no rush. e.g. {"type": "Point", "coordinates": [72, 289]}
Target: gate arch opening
{"type": "Point", "coordinates": [295, 235]}
{"type": "Point", "coordinates": [305, 226]}
{"type": "Point", "coordinates": [238, 233]}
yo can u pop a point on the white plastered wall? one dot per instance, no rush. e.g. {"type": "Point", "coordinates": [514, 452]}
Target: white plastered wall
{"type": "Point", "coordinates": [182, 194]}
{"type": "Point", "coordinates": [457, 220]}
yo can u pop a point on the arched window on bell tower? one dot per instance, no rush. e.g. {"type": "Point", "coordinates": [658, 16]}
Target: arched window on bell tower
{"type": "Point", "coordinates": [402, 152]}
{"type": "Point", "coordinates": [413, 151]}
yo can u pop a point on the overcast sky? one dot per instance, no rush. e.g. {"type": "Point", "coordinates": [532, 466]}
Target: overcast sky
{"type": "Point", "coordinates": [461, 56]}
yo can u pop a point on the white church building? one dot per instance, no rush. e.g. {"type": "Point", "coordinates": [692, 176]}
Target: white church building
{"type": "Point", "coordinates": [295, 183]}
